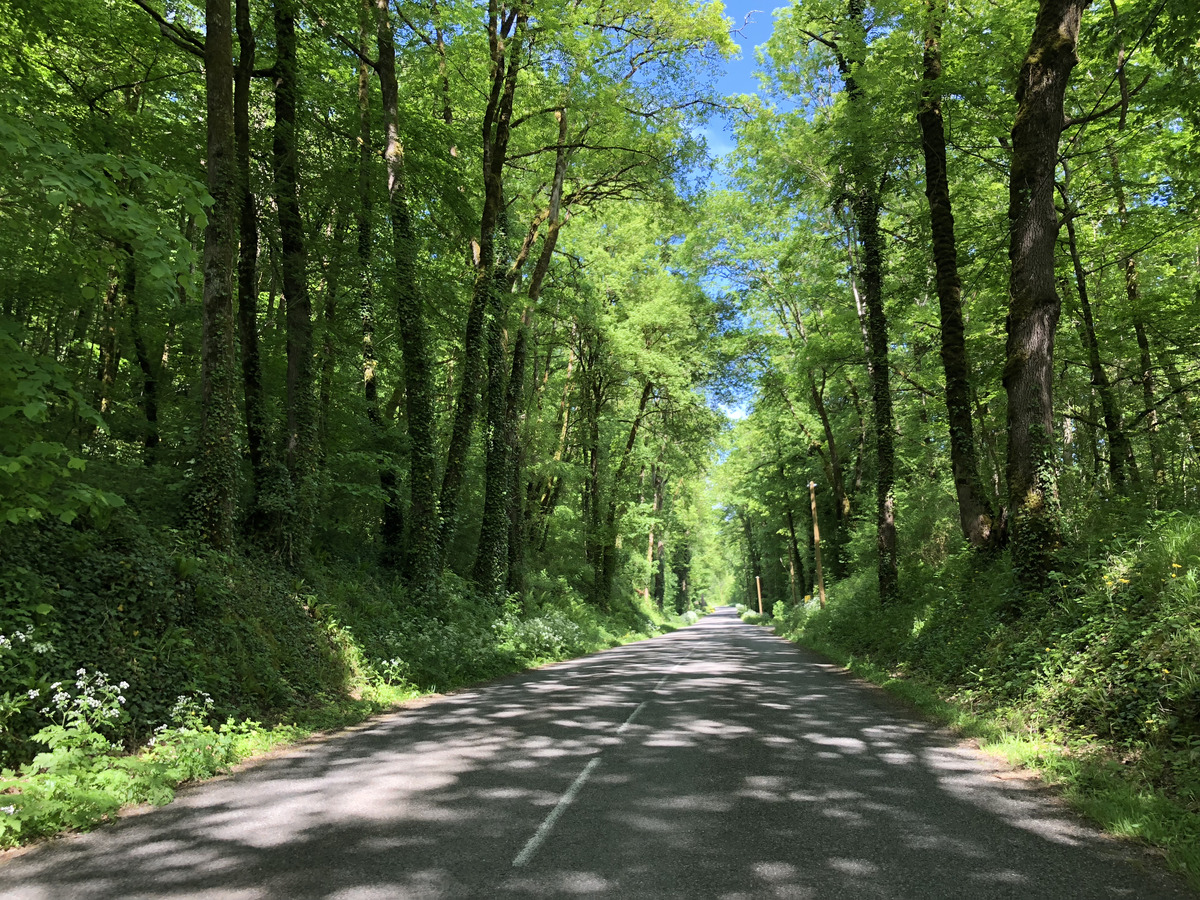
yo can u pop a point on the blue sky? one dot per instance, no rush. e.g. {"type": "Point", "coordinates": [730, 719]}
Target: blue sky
{"type": "Point", "coordinates": [739, 76]}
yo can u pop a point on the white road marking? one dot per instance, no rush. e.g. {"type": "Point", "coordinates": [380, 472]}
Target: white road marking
{"type": "Point", "coordinates": [672, 672]}
{"type": "Point", "coordinates": [539, 836]}
{"type": "Point", "coordinates": [547, 826]}
{"type": "Point", "coordinates": [632, 716]}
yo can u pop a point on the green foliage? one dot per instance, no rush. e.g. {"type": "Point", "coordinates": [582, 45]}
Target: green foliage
{"type": "Point", "coordinates": [38, 474]}
{"type": "Point", "coordinates": [84, 777]}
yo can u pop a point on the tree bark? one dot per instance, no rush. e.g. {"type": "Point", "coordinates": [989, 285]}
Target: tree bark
{"type": "Point", "coordinates": [658, 584]}
{"type": "Point", "coordinates": [518, 535]}
{"type": "Point", "coordinates": [109, 360]}
{"type": "Point", "coordinates": [217, 460]}
{"type": "Point", "coordinates": [145, 363]}
{"type": "Point", "coordinates": [1034, 305]}
{"type": "Point", "coordinates": [975, 515]}
{"type": "Point", "coordinates": [391, 530]}
{"type": "Point", "coordinates": [1133, 288]}
{"type": "Point", "coordinates": [865, 204]}
{"type": "Point", "coordinates": [505, 51]}
{"type": "Point", "coordinates": [424, 523]}
{"type": "Point", "coordinates": [300, 443]}
{"type": "Point", "coordinates": [253, 394]}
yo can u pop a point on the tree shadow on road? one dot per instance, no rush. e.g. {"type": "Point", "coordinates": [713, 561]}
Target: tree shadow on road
{"type": "Point", "coordinates": [751, 769]}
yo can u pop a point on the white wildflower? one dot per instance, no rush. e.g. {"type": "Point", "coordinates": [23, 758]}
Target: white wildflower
{"type": "Point", "coordinates": [8, 809]}
{"type": "Point", "coordinates": [33, 694]}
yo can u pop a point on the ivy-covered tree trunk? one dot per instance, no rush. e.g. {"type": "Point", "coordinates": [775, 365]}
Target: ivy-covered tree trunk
{"type": "Point", "coordinates": [391, 529]}
{"type": "Point", "coordinates": [681, 567]}
{"type": "Point", "coordinates": [505, 51]}
{"type": "Point", "coordinates": [975, 515]}
{"type": "Point", "coordinates": [658, 583]}
{"type": "Point", "coordinates": [217, 457]}
{"type": "Point", "coordinates": [300, 445]}
{"type": "Point", "coordinates": [836, 471]}
{"type": "Point", "coordinates": [109, 360]}
{"type": "Point", "coordinates": [424, 523]}
{"type": "Point", "coordinates": [491, 559]}
{"type": "Point", "coordinates": [1034, 304]}
{"type": "Point", "coordinates": [253, 395]}
{"type": "Point", "coordinates": [864, 192]}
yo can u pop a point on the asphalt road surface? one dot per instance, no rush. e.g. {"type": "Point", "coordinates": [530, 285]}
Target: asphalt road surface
{"type": "Point", "coordinates": [718, 761]}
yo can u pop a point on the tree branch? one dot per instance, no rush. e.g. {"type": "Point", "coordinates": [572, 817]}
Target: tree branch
{"type": "Point", "coordinates": [186, 40]}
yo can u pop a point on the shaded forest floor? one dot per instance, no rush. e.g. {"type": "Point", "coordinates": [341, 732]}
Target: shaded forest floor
{"type": "Point", "coordinates": [1095, 683]}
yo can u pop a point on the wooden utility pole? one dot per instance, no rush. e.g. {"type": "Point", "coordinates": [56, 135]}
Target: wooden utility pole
{"type": "Point", "coordinates": [812, 496]}
{"type": "Point", "coordinates": [758, 585]}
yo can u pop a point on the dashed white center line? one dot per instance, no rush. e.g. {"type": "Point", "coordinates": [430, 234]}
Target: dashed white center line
{"type": "Point", "coordinates": [633, 715]}
{"type": "Point", "coordinates": [543, 832]}
{"type": "Point", "coordinates": [531, 847]}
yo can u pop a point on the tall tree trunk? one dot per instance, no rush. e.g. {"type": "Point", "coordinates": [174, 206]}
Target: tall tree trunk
{"type": "Point", "coordinates": [1133, 288]}
{"type": "Point", "coordinates": [681, 566]}
{"type": "Point", "coordinates": [424, 523]}
{"type": "Point", "coordinates": [329, 315]}
{"type": "Point", "coordinates": [253, 393]}
{"type": "Point", "coordinates": [865, 205]}
{"type": "Point", "coordinates": [217, 459]}
{"type": "Point", "coordinates": [505, 49]}
{"type": "Point", "coordinates": [518, 536]}
{"type": "Point", "coordinates": [753, 563]}
{"type": "Point", "coordinates": [658, 555]}
{"type": "Point", "coordinates": [1034, 304]}
{"type": "Point", "coordinates": [145, 362]}
{"type": "Point", "coordinates": [391, 532]}
{"type": "Point", "coordinates": [300, 444]}
{"type": "Point", "coordinates": [491, 559]}
{"type": "Point", "coordinates": [866, 211]}
{"type": "Point", "coordinates": [551, 487]}
{"type": "Point", "coordinates": [799, 577]}
{"type": "Point", "coordinates": [975, 515]}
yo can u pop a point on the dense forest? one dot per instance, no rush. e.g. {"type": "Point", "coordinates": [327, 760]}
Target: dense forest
{"type": "Point", "coordinates": [355, 348]}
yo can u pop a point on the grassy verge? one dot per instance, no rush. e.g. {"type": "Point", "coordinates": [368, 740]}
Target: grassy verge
{"type": "Point", "coordinates": [1104, 784]}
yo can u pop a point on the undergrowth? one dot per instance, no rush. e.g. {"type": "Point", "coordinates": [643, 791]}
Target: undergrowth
{"type": "Point", "coordinates": [1096, 682]}
{"type": "Point", "coordinates": [129, 664]}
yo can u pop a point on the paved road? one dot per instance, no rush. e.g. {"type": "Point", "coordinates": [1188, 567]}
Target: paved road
{"type": "Point", "coordinates": [718, 761]}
